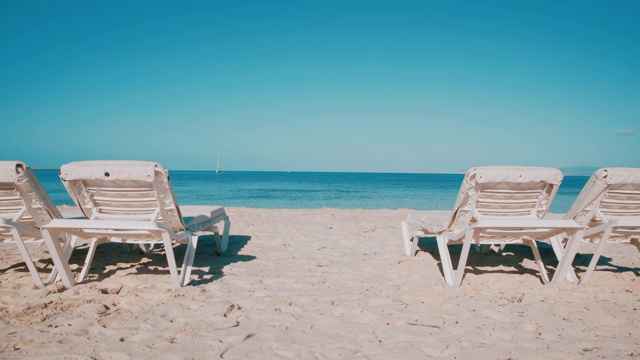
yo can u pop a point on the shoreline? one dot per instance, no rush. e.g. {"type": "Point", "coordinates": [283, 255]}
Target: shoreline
{"type": "Point", "coordinates": [568, 173]}
{"type": "Point", "coordinates": [352, 191]}
{"type": "Point", "coordinates": [319, 283]}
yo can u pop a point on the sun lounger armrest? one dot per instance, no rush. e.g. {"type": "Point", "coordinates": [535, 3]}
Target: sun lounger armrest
{"type": "Point", "coordinates": [21, 228]}
{"type": "Point", "coordinates": [526, 223]}
{"type": "Point", "coordinates": [199, 217]}
{"type": "Point", "coordinates": [626, 222]}
{"type": "Point", "coordinates": [104, 224]}
{"type": "Point", "coordinates": [631, 223]}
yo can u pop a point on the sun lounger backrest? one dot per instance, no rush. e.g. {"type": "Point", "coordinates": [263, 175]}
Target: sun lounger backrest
{"type": "Point", "coordinates": [609, 194]}
{"type": "Point", "coordinates": [501, 192]}
{"type": "Point", "coordinates": [123, 190]}
{"type": "Point", "coordinates": [22, 198]}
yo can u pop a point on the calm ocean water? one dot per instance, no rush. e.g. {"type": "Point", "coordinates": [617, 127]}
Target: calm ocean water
{"type": "Point", "coordinates": [316, 190]}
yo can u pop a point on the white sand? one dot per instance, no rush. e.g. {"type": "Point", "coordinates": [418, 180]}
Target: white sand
{"type": "Point", "coordinates": [320, 284]}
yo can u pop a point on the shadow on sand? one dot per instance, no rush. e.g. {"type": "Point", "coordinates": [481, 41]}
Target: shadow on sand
{"type": "Point", "coordinates": [513, 256]}
{"type": "Point", "coordinates": [112, 258]}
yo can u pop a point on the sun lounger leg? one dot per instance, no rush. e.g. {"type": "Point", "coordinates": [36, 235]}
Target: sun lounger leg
{"type": "Point", "coordinates": [536, 254]}
{"type": "Point", "coordinates": [566, 259]}
{"type": "Point", "coordinates": [558, 249]}
{"type": "Point", "coordinates": [464, 255]}
{"type": "Point", "coordinates": [146, 249]}
{"type": "Point", "coordinates": [596, 256]}
{"type": "Point", "coordinates": [27, 258]}
{"type": "Point", "coordinates": [59, 257]}
{"type": "Point", "coordinates": [410, 243]}
{"type": "Point", "coordinates": [187, 263]}
{"type": "Point", "coordinates": [171, 260]}
{"type": "Point", "coordinates": [222, 246]}
{"type": "Point", "coordinates": [67, 249]}
{"type": "Point", "coordinates": [445, 259]}
{"type": "Point", "coordinates": [87, 262]}
{"type": "Point", "coordinates": [483, 249]}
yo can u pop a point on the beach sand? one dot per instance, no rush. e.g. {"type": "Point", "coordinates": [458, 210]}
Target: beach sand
{"type": "Point", "coordinates": [320, 284]}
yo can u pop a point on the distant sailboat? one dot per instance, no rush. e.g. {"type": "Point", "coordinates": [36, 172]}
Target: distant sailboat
{"type": "Point", "coordinates": [218, 170]}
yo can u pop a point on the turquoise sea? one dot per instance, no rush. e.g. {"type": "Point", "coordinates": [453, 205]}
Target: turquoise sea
{"type": "Point", "coordinates": [305, 190]}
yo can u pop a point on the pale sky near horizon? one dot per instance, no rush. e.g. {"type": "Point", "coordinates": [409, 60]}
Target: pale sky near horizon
{"type": "Point", "coordinates": [380, 86]}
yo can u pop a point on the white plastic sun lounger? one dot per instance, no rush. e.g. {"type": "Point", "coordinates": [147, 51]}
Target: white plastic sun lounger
{"type": "Point", "coordinates": [132, 202]}
{"type": "Point", "coordinates": [24, 208]}
{"type": "Point", "coordinates": [495, 206]}
{"type": "Point", "coordinates": [608, 207]}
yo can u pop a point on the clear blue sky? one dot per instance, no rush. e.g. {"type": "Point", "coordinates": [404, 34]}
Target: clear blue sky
{"type": "Point", "coordinates": [381, 86]}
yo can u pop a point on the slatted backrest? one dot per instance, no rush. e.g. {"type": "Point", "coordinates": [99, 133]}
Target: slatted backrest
{"type": "Point", "coordinates": [513, 200]}
{"type": "Point", "coordinates": [621, 202]}
{"type": "Point", "coordinates": [117, 199]}
{"type": "Point", "coordinates": [11, 205]}
{"type": "Point", "coordinates": [22, 197]}
{"type": "Point", "coordinates": [610, 193]}
{"type": "Point", "coordinates": [505, 192]}
{"type": "Point", "coordinates": [123, 190]}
